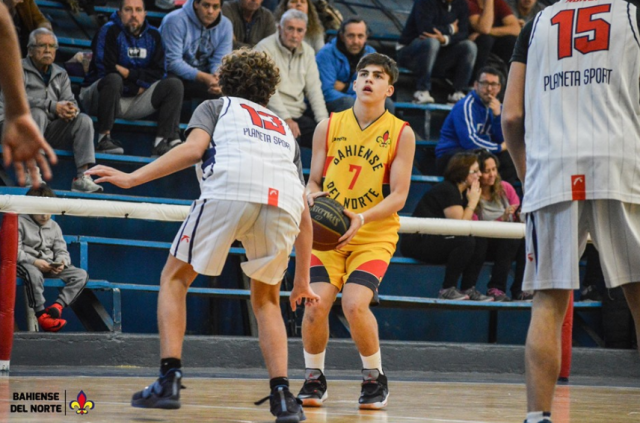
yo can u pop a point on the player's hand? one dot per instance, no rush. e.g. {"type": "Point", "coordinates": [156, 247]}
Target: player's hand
{"type": "Point", "coordinates": [356, 224]}
{"type": "Point", "coordinates": [295, 129]}
{"type": "Point", "coordinates": [311, 198]}
{"type": "Point", "coordinates": [42, 265]}
{"type": "Point", "coordinates": [21, 144]}
{"type": "Point", "coordinates": [111, 175]}
{"type": "Point", "coordinates": [495, 106]}
{"type": "Point", "coordinates": [302, 292]}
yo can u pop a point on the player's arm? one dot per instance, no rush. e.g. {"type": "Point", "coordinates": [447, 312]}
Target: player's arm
{"type": "Point", "coordinates": [181, 157]}
{"type": "Point", "coordinates": [513, 117]}
{"type": "Point", "coordinates": [399, 182]}
{"type": "Point", "coordinates": [302, 279]}
{"type": "Point", "coordinates": [318, 159]}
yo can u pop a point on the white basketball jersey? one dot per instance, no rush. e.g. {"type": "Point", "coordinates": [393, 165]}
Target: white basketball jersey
{"type": "Point", "coordinates": [251, 158]}
{"type": "Point", "coordinates": [582, 104]}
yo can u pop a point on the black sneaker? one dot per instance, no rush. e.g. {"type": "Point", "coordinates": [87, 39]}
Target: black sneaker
{"type": "Point", "coordinates": [375, 392]}
{"type": "Point", "coordinates": [314, 390]}
{"type": "Point", "coordinates": [108, 145]}
{"type": "Point", "coordinates": [163, 393]}
{"type": "Point", "coordinates": [590, 293]}
{"type": "Point", "coordinates": [163, 147]}
{"type": "Point", "coordinates": [286, 407]}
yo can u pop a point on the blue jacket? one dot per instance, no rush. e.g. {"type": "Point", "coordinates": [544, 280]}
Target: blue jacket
{"type": "Point", "coordinates": [333, 66]}
{"type": "Point", "coordinates": [429, 14]}
{"type": "Point", "coordinates": [470, 125]}
{"type": "Point", "coordinates": [142, 55]}
{"type": "Point", "coordinates": [192, 47]}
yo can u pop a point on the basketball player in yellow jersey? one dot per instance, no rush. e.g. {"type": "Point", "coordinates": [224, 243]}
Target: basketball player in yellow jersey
{"type": "Point", "coordinates": [362, 157]}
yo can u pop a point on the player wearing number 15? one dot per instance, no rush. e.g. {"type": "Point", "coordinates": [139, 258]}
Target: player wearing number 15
{"type": "Point", "coordinates": [253, 191]}
{"type": "Point", "coordinates": [575, 72]}
{"type": "Point", "coordinates": [362, 158]}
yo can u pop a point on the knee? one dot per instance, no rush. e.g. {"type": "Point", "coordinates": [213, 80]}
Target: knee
{"type": "Point", "coordinates": [173, 86]}
{"type": "Point", "coordinates": [468, 49]}
{"type": "Point", "coordinates": [83, 121]}
{"type": "Point", "coordinates": [354, 309]}
{"type": "Point", "coordinates": [428, 46]}
{"type": "Point", "coordinates": [112, 81]}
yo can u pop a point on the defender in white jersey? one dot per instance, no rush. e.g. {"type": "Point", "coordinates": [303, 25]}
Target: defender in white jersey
{"type": "Point", "coordinates": [571, 122]}
{"type": "Point", "coordinates": [252, 190]}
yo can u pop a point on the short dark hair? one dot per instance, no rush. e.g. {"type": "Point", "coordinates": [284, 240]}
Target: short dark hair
{"type": "Point", "coordinates": [458, 168]}
{"type": "Point", "coordinates": [121, 5]}
{"type": "Point", "coordinates": [42, 191]}
{"type": "Point", "coordinates": [491, 71]}
{"type": "Point", "coordinates": [198, 1]}
{"type": "Point", "coordinates": [351, 20]}
{"type": "Point", "coordinates": [387, 63]}
{"type": "Point", "coordinates": [249, 74]}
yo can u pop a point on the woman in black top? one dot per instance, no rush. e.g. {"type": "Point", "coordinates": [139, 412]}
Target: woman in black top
{"type": "Point", "coordinates": [455, 198]}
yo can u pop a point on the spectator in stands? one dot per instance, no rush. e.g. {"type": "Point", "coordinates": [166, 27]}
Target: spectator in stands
{"type": "Point", "coordinates": [434, 42]}
{"type": "Point", "coordinates": [196, 39]}
{"type": "Point", "coordinates": [456, 197]}
{"type": "Point", "coordinates": [299, 77]}
{"type": "Point", "coordinates": [54, 108]}
{"type": "Point", "coordinates": [494, 29]}
{"type": "Point", "coordinates": [525, 10]}
{"type": "Point", "coordinates": [315, 31]}
{"type": "Point", "coordinates": [22, 142]}
{"type": "Point", "coordinates": [337, 63]}
{"type": "Point", "coordinates": [251, 22]}
{"type": "Point", "coordinates": [26, 17]}
{"type": "Point", "coordinates": [125, 79]}
{"type": "Point", "coordinates": [42, 252]}
{"type": "Point", "coordinates": [499, 202]}
{"type": "Point", "coordinates": [474, 122]}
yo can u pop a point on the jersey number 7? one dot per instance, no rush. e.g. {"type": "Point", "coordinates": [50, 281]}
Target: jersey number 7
{"type": "Point", "coordinates": [596, 31]}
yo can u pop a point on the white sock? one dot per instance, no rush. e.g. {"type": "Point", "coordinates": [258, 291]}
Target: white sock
{"type": "Point", "coordinates": [314, 361]}
{"type": "Point", "coordinates": [536, 416]}
{"type": "Point", "coordinates": [157, 141]}
{"type": "Point", "coordinates": [372, 362]}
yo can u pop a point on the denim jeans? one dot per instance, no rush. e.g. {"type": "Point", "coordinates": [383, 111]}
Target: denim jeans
{"type": "Point", "coordinates": [428, 56]}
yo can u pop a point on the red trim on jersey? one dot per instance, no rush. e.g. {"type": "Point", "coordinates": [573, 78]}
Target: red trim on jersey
{"type": "Point", "coordinates": [327, 162]}
{"type": "Point", "coordinates": [315, 261]}
{"type": "Point", "coordinates": [375, 267]}
{"type": "Point", "coordinates": [387, 173]}
{"type": "Point", "coordinates": [395, 151]}
{"type": "Point", "coordinates": [578, 187]}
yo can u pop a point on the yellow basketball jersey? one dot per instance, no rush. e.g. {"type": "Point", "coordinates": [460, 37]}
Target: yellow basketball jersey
{"type": "Point", "coordinates": [356, 172]}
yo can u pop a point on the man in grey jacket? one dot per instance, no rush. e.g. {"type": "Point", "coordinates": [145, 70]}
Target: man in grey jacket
{"type": "Point", "coordinates": [299, 74]}
{"type": "Point", "coordinates": [251, 22]}
{"type": "Point", "coordinates": [42, 252]}
{"type": "Point", "coordinates": [54, 108]}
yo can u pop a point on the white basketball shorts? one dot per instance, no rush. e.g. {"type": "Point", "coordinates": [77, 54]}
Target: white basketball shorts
{"type": "Point", "coordinates": [267, 233]}
{"type": "Point", "coordinates": [557, 236]}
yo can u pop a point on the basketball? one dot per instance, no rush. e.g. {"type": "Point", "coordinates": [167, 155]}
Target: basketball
{"type": "Point", "coordinates": [329, 223]}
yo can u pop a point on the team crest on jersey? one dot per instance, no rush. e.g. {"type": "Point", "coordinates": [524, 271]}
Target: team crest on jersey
{"type": "Point", "coordinates": [384, 140]}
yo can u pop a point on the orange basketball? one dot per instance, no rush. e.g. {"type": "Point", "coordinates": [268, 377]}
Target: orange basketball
{"type": "Point", "coordinates": [329, 223]}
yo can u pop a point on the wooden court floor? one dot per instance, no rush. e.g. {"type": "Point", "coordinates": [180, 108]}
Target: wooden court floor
{"type": "Point", "coordinates": [231, 400]}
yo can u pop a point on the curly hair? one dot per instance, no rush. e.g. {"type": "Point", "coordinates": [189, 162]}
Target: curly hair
{"type": "Point", "coordinates": [496, 189]}
{"type": "Point", "coordinates": [314, 26]}
{"type": "Point", "coordinates": [249, 74]}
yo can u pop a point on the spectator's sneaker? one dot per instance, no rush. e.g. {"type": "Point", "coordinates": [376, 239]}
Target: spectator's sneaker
{"type": "Point", "coordinates": [54, 310]}
{"type": "Point", "coordinates": [286, 407]}
{"type": "Point", "coordinates": [85, 184]}
{"type": "Point", "coordinates": [163, 147]}
{"type": "Point", "coordinates": [452, 293]}
{"type": "Point", "coordinates": [314, 390]}
{"type": "Point", "coordinates": [455, 97]}
{"type": "Point", "coordinates": [375, 392]}
{"type": "Point", "coordinates": [498, 295]}
{"type": "Point", "coordinates": [475, 295]}
{"type": "Point", "coordinates": [422, 97]}
{"type": "Point", "coordinates": [108, 145]}
{"type": "Point", "coordinates": [163, 393]}
{"type": "Point", "coordinates": [590, 293]}
{"type": "Point", "coordinates": [49, 324]}
{"type": "Point", "coordinates": [525, 296]}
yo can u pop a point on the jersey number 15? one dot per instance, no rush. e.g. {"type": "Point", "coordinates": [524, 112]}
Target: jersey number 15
{"type": "Point", "coordinates": [569, 35]}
